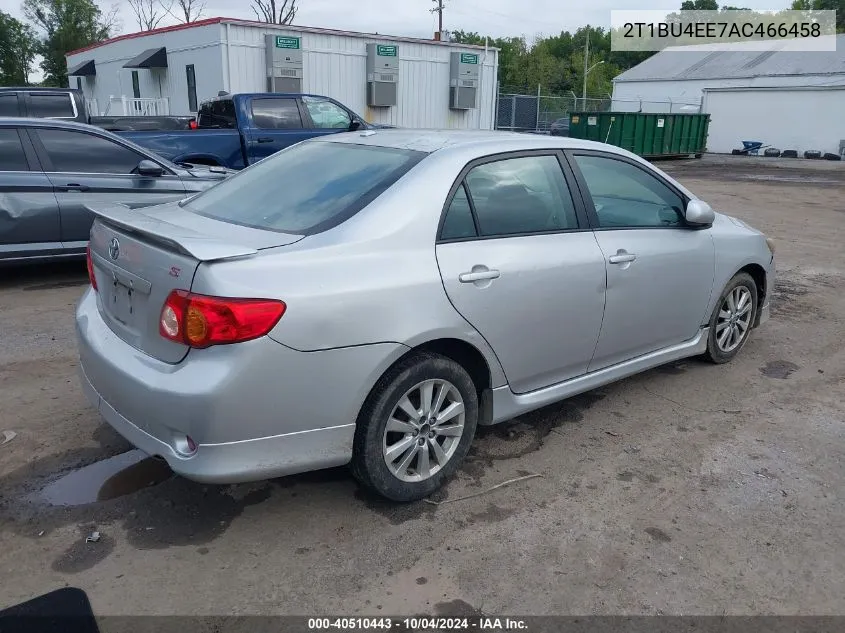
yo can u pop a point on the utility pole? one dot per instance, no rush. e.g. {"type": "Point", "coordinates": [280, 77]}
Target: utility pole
{"type": "Point", "coordinates": [586, 61]}
{"type": "Point", "coordinates": [439, 11]}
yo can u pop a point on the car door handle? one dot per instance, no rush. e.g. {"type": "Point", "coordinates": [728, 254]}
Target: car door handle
{"type": "Point", "coordinates": [72, 186]}
{"type": "Point", "coordinates": [264, 139]}
{"type": "Point", "coordinates": [478, 275]}
{"type": "Point", "coordinates": [621, 258]}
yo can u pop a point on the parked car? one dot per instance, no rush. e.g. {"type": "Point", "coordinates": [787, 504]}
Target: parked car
{"type": "Point", "coordinates": [370, 298]}
{"type": "Point", "coordinates": [560, 127]}
{"type": "Point", "coordinates": [238, 130]}
{"type": "Point", "coordinates": [69, 104]}
{"type": "Point", "coordinates": [51, 171]}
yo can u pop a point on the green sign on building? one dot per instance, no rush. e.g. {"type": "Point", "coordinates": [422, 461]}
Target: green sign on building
{"type": "Point", "coordinates": [469, 58]}
{"type": "Point", "coordinates": [287, 42]}
{"type": "Point", "coordinates": [387, 51]}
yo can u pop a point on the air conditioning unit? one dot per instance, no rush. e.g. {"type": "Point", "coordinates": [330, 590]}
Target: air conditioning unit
{"type": "Point", "coordinates": [382, 75]}
{"type": "Point", "coordinates": [284, 63]}
{"type": "Point", "coordinates": [463, 83]}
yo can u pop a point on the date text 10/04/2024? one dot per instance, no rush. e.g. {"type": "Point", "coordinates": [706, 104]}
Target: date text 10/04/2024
{"type": "Point", "coordinates": [418, 624]}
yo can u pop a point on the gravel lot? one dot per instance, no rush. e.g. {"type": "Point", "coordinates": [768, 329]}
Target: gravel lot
{"type": "Point", "coordinates": [690, 489]}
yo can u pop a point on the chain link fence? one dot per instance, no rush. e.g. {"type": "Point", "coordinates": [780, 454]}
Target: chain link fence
{"type": "Point", "coordinates": [549, 114]}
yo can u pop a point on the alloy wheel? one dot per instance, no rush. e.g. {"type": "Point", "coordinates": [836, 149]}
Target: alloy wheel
{"type": "Point", "coordinates": [734, 319]}
{"type": "Point", "coordinates": [424, 430]}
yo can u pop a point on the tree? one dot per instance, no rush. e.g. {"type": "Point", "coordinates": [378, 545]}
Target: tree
{"type": "Point", "coordinates": [148, 13]}
{"type": "Point", "coordinates": [556, 63]}
{"type": "Point", "coordinates": [187, 11]}
{"type": "Point", "coordinates": [66, 25]}
{"type": "Point", "coordinates": [17, 50]}
{"type": "Point", "coordinates": [275, 11]}
{"type": "Point", "coordinates": [699, 5]}
{"type": "Point", "coordinates": [828, 5]}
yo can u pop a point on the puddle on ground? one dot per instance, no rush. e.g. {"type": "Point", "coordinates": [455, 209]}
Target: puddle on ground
{"type": "Point", "coordinates": [107, 479]}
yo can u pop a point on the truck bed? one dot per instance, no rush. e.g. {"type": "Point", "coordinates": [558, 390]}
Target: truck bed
{"type": "Point", "coordinates": [203, 146]}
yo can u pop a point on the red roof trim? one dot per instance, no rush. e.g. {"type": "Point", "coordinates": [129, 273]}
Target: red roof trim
{"type": "Point", "coordinates": [164, 29]}
{"type": "Point", "coordinates": [289, 27]}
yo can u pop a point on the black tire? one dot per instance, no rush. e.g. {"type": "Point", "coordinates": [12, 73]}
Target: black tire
{"type": "Point", "coordinates": [368, 461]}
{"type": "Point", "coordinates": [714, 354]}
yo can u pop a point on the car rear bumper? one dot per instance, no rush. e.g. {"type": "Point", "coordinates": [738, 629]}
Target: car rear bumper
{"type": "Point", "coordinates": [256, 410]}
{"type": "Point", "coordinates": [235, 462]}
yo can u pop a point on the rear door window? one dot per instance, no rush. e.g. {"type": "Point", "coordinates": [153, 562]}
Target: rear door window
{"type": "Point", "coordinates": [459, 223]}
{"type": "Point", "coordinates": [276, 114]}
{"type": "Point", "coordinates": [51, 106]}
{"type": "Point", "coordinates": [306, 188]}
{"type": "Point", "coordinates": [9, 105]}
{"type": "Point", "coordinates": [521, 195]}
{"type": "Point", "coordinates": [12, 157]}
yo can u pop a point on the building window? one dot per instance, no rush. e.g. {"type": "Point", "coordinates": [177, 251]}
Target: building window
{"type": "Point", "coordinates": [79, 83]}
{"type": "Point", "coordinates": [136, 85]}
{"type": "Point", "coordinates": [192, 88]}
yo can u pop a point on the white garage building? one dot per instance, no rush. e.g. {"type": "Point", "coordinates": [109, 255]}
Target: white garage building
{"type": "Point", "coordinates": [390, 80]}
{"type": "Point", "coordinates": [785, 98]}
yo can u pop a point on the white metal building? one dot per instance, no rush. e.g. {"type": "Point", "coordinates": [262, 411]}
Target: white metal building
{"type": "Point", "coordinates": [784, 98]}
{"type": "Point", "coordinates": [391, 80]}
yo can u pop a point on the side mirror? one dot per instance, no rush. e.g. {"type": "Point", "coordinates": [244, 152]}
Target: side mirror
{"type": "Point", "coordinates": [150, 168]}
{"type": "Point", "coordinates": [699, 213]}
{"type": "Point", "coordinates": [355, 125]}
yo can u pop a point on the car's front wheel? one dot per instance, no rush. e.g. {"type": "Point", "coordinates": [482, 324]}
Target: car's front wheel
{"type": "Point", "coordinates": [732, 319]}
{"type": "Point", "coordinates": [415, 428]}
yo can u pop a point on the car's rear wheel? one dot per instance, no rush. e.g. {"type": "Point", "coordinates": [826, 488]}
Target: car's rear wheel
{"type": "Point", "coordinates": [732, 319]}
{"type": "Point", "coordinates": [415, 428]}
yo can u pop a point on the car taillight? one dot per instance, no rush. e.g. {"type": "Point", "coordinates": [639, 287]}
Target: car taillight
{"type": "Point", "coordinates": [193, 124]}
{"type": "Point", "coordinates": [91, 276]}
{"type": "Point", "coordinates": [203, 321]}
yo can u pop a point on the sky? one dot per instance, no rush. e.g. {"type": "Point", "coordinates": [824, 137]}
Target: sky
{"type": "Point", "coordinates": [497, 18]}
{"type": "Point", "coordinates": [412, 18]}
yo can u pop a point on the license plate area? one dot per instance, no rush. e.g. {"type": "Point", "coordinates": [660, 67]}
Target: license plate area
{"type": "Point", "coordinates": [125, 297]}
{"type": "Point", "coordinates": [123, 304]}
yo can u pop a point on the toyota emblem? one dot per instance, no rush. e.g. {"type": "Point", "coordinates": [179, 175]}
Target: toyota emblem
{"type": "Point", "coordinates": [114, 248]}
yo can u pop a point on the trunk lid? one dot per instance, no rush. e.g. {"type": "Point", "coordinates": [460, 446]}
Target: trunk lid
{"type": "Point", "coordinates": [141, 255]}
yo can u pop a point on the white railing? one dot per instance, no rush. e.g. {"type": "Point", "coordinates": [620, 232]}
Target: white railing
{"type": "Point", "coordinates": [126, 106]}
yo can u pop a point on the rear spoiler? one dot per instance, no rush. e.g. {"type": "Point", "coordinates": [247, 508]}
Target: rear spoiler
{"type": "Point", "coordinates": [178, 238]}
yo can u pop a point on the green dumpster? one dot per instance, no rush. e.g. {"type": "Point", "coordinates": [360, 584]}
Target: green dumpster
{"type": "Point", "coordinates": [647, 134]}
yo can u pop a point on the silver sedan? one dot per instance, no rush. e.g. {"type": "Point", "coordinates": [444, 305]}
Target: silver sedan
{"type": "Point", "coordinates": [371, 298]}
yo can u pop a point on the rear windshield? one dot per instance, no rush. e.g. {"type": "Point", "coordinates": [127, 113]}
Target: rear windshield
{"type": "Point", "coordinates": [307, 188]}
{"type": "Point", "coordinates": [219, 114]}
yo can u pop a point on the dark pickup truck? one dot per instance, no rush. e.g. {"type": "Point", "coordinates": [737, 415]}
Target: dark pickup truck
{"type": "Point", "coordinates": [68, 104]}
{"type": "Point", "coordinates": [237, 130]}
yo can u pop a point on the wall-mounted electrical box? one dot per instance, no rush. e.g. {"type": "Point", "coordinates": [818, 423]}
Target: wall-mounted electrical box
{"type": "Point", "coordinates": [284, 63]}
{"type": "Point", "coordinates": [382, 75]}
{"type": "Point", "coordinates": [463, 84]}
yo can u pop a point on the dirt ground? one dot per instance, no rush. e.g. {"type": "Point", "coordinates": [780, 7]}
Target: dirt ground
{"type": "Point", "coordinates": [690, 489]}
